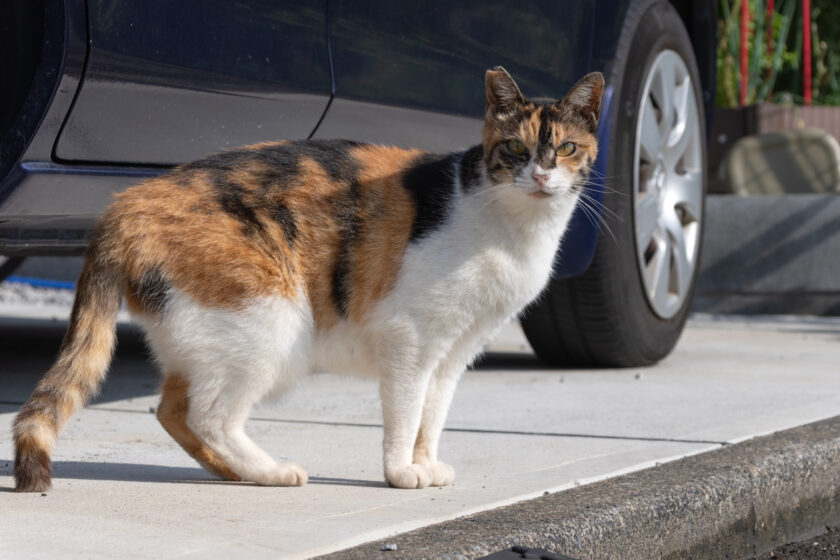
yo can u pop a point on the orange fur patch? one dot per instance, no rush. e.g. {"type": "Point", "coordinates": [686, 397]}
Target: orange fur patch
{"type": "Point", "coordinates": [178, 229]}
{"type": "Point", "coordinates": [386, 216]}
{"type": "Point", "coordinates": [530, 130]}
{"type": "Point", "coordinates": [320, 234]}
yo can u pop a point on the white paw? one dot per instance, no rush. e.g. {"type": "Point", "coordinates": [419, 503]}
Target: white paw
{"type": "Point", "coordinates": [412, 476]}
{"type": "Point", "coordinates": [442, 474]}
{"type": "Point", "coordinates": [284, 474]}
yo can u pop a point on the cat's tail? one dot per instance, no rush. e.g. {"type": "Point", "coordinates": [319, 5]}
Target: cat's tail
{"type": "Point", "coordinates": [75, 376]}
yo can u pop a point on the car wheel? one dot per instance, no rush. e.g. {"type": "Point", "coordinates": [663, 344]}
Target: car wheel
{"type": "Point", "coordinates": [8, 265]}
{"type": "Point", "coordinates": [630, 306]}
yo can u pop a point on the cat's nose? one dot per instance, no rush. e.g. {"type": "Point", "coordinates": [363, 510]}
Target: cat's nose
{"type": "Point", "coordinates": [540, 178]}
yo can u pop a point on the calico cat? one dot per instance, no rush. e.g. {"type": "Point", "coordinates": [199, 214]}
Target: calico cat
{"type": "Point", "coordinates": [250, 268]}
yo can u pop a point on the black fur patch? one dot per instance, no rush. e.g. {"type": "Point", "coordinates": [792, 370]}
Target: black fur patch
{"type": "Point", "coordinates": [471, 168]}
{"type": "Point", "coordinates": [232, 199]}
{"type": "Point", "coordinates": [333, 155]}
{"type": "Point", "coordinates": [507, 160]}
{"type": "Point", "coordinates": [151, 291]}
{"type": "Point", "coordinates": [33, 469]}
{"type": "Point", "coordinates": [275, 164]}
{"type": "Point", "coordinates": [432, 184]}
{"type": "Point", "coordinates": [286, 218]}
{"type": "Point", "coordinates": [546, 153]}
{"type": "Point", "coordinates": [346, 208]}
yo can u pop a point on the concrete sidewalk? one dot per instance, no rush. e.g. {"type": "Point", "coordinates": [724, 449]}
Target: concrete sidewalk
{"type": "Point", "coordinates": [516, 430]}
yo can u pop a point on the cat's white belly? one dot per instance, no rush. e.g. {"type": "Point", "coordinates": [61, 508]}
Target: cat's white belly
{"type": "Point", "coordinates": [437, 314]}
{"type": "Point", "coordinates": [347, 349]}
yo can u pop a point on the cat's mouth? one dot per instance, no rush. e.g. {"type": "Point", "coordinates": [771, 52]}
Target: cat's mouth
{"type": "Point", "coordinates": [542, 192]}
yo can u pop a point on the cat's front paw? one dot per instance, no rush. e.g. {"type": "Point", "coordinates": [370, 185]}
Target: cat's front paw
{"type": "Point", "coordinates": [412, 476]}
{"type": "Point", "coordinates": [284, 474]}
{"type": "Point", "coordinates": [442, 474]}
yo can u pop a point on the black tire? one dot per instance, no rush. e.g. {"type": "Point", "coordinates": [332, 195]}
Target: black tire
{"type": "Point", "coordinates": [603, 317]}
{"type": "Point", "coordinates": [8, 265]}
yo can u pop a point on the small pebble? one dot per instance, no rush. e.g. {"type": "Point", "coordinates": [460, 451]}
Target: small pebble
{"type": "Point", "coordinates": [389, 546]}
{"type": "Point", "coordinates": [43, 494]}
{"type": "Point", "coordinates": [637, 376]}
{"type": "Point", "coordinates": [152, 410]}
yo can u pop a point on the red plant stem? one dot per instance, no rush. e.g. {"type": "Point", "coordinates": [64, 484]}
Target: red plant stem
{"type": "Point", "coordinates": [806, 49]}
{"type": "Point", "coordinates": [771, 9]}
{"type": "Point", "coordinates": [745, 18]}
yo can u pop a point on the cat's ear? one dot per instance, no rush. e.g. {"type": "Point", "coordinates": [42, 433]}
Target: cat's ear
{"type": "Point", "coordinates": [503, 95]}
{"type": "Point", "coordinates": [585, 98]}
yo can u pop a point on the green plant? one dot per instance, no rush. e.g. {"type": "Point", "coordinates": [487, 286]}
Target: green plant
{"type": "Point", "coordinates": [775, 74]}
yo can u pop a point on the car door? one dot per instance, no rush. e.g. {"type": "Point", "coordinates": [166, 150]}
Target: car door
{"type": "Point", "coordinates": [425, 62]}
{"type": "Point", "coordinates": [169, 81]}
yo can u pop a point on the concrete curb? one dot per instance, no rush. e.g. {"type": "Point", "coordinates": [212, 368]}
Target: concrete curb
{"type": "Point", "coordinates": [730, 503]}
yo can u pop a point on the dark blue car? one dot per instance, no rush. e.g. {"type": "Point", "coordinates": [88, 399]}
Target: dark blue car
{"type": "Point", "coordinates": [98, 94]}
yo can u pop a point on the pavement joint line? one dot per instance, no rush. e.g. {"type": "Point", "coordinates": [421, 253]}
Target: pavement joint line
{"type": "Point", "coordinates": [456, 430]}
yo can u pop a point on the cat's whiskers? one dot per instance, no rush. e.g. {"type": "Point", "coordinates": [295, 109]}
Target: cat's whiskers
{"type": "Point", "coordinates": [598, 204]}
{"type": "Point", "coordinates": [591, 206]}
{"type": "Point", "coordinates": [595, 174]}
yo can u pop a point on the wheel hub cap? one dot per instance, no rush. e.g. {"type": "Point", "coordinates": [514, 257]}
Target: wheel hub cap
{"type": "Point", "coordinates": [668, 184]}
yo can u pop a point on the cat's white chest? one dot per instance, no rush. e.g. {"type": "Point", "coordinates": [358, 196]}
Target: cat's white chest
{"type": "Point", "coordinates": [509, 280]}
{"type": "Point", "coordinates": [475, 271]}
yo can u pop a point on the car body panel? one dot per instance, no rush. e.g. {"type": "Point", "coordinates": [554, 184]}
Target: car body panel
{"type": "Point", "coordinates": [378, 72]}
{"type": "Point", "coordinates": [156, 65]}
{"type": "Point", "coordinates": [433, 55]}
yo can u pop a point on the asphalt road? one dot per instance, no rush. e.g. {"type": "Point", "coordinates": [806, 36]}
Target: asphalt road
{"type": "Point", "coordinates": [823, 546]}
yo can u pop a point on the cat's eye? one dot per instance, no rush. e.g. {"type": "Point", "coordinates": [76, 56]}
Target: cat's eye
{"type": "Point", "coordinates": [517, 147]}
{"type": "Point", "coordinates": [566, 149]}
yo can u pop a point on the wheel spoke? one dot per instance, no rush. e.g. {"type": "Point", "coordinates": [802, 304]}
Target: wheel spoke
{"type": "Point", "coordinates": [679, 251]}
{"type": "Point", "coordinates": [686, 190]}
{"type": "Point", "coordinates": [647, 218]}
{"type": "Point", "coordinates": [662, 89]}
{"type": "Point", "coordinates": [682, 133]}
{"type": "Point", "coordinates": [650, 139]}
{"type": "Point", "coordinates": [661, 273]}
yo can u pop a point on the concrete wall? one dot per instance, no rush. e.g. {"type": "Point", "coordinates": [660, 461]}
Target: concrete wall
{"type": "Point", "coordinates": [771, 254]}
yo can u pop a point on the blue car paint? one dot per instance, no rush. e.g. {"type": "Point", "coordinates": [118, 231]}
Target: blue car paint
{"type": "Point", "coordinates": [61, 198]}
{"type": "Point", "coordinates": [42, 282]}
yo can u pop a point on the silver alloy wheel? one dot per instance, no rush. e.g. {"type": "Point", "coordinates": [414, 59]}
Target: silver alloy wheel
{"type": "Point", "coordinates": [667, 184]}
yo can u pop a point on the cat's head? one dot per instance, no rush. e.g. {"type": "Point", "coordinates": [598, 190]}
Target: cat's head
{"type": "Point", "coordinates": [542, 146]}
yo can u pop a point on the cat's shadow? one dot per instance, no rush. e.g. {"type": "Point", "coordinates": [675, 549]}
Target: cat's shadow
{"type": "Point", "coordinates": [509, 361]}
{"type": "Point", "coordinates": [133, 472]}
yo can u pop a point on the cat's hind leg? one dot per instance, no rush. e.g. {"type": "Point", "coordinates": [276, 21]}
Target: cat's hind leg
{"type": "Point", "coordinates": [223, 431]}
{"type": "Point", "coordinates": [172, 414]}
{"type": "Point", "coordinates": [231, 359]}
